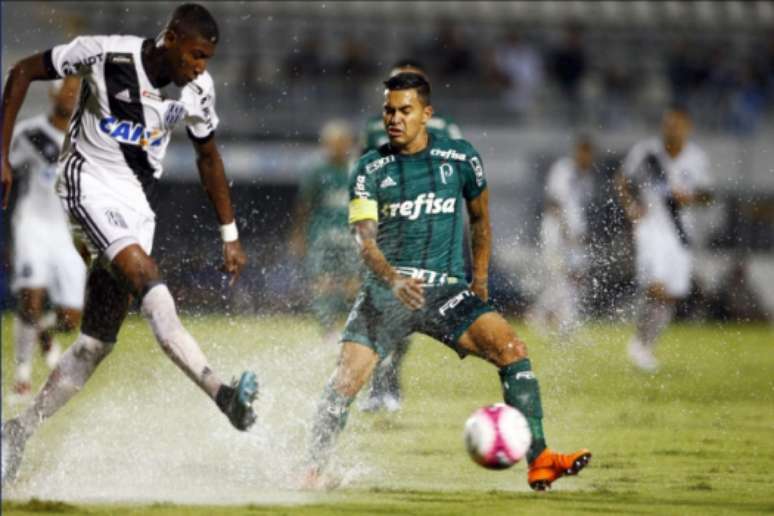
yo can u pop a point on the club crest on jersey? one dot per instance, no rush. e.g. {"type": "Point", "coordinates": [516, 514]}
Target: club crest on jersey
{"type": "Point", "coordinates": [446, 171]}
{"type": "Point", "coordinates": [427, 204]}
{"type": "Point", "coordinates": [130, 133]}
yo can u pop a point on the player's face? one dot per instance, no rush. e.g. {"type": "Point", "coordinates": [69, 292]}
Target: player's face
{"type": "Point", "coordinates": [188, 56]}
{"type": "Point", "coordinates": [675, 128]}
{"type": "Point", "coordinates": [67, 96]}
{"type": "Point", "coordinates": [404, 115]}
{"type": "Point", "coordinates": [338, 147]}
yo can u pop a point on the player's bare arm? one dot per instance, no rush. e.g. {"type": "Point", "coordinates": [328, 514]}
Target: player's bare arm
{"type": "Point", "coordinates": [407, 290]}
{"type": "Point", "coordinates": [481, 243]}
{"type": "Point", "coordinates": [32, 68]}
{"type": "Point", "coordinates": [213, 178]}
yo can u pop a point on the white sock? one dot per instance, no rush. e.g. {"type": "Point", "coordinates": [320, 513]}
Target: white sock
{"type": "Point", "coordinates": [25, 336]}
{"type": "Point", "coordinates": [653, 318]}
{"type": "Point", "coordinates": [158, 307]}
{"type": "Point", "coordinates": [47, 322]}
{"type": "Point", "coordinates": [66, 380]}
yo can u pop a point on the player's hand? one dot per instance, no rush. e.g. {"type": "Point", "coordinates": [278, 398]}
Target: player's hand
{"type": "Point", "coordinates": [7, 182]}
{"type": "Point", "coordinates": [480, 287]}
{"type": "Point", "coordinates": [409, 291]}
{"type": "Point", "coordinates": [682, 198]}
{"type": "Point", "coordinates": [234, 260]}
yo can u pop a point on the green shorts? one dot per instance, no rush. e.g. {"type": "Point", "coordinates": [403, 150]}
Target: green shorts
{"type": "Point", "coordinates": [380, 321]}
{"type": "Point", "coordinates": [333, 254]}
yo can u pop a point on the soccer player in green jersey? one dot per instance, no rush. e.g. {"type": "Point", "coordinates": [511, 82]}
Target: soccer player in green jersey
{"type": "Point", "coordinates": [406, 211]}
{"type": "Point", "coordinates": [385, 390]}
{"type": "Point", "coordinates": [321, 232]}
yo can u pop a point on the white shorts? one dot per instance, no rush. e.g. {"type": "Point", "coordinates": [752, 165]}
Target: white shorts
{"type": "Point", "coordinates": [101, 215]}
{"type": "Point", "coordinates": [43, 260]}
{"type": "Point", "coordinates": [661, 257]}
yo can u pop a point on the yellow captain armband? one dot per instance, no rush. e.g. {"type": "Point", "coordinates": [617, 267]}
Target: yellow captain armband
{"type": "Point", "coordinates": [363, 209]}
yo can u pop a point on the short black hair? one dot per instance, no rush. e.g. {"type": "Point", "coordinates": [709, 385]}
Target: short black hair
{"type": "Point", "coordinates": [679, 107]}
{"type": "Point", "coordinates": [410, 81]}
{"type": "Point", "coordinates": [408, 62]}
{"type": "Point", "coordinates": [194, 19]}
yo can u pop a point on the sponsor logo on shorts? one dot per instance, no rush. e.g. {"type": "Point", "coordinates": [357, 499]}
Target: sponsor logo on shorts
{"type": "Point", "coordinates": [453, 302]}
{"type": "Point", "coordinates": [131, 133]}
{"type": "Point", "coordinates": [427, 204]}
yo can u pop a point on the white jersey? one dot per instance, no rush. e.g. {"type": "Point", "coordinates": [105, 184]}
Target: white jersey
{"type": "Point", "coordinates": [570, 189]}
{"type": "Point", "coordinates": [123, 123]}
{"type": "Point", "coordinates": [655, 175]}
{"type": "Point", "coordinates": [33, 156]}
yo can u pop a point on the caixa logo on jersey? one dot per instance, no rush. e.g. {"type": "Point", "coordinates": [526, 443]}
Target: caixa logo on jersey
{"type": "Point", "coordinates": [131, 133]}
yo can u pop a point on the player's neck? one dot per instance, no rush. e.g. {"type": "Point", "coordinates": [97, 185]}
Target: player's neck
{"type": "Point", "coordinates": [674, 149]}
{"type": "Point", "coordinates": [153, 62]}
{"type": "Point", "coordinates": [416, 145]}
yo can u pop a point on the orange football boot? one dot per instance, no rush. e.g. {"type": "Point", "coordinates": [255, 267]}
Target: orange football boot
{"type": "Point", "coordinates": [550, 465]}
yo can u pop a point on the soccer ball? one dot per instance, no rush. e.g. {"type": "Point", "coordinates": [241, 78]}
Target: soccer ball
{"type": "Point", "coordinates": [497, 436]}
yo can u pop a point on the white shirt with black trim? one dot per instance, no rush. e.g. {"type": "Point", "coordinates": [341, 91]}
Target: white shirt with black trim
{"type": "Point", "coordinates": [123, 124]}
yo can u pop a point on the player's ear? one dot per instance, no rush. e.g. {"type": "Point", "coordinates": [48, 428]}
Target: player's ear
{"type": "Point", "coordinates": [427, 113]}
{"type": "Point", "coordinates": [169, 38]}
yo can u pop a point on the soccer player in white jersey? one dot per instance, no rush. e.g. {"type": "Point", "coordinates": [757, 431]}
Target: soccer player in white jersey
{"type": "Point", "coordinates": [659, 178]}
{"type": "Point", "coordinates": [110, 162]}
{"type": "Point", "coordinates": [563, 235]}
{"type": "Point", "coordinates": [45, 261]}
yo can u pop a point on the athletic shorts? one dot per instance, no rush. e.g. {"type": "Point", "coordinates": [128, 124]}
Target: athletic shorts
{"type": "Point", "coordinates": [333, 254]}
{"type": "Point", "coordinates": [100, 215]}
{"type": "Point", "coordinates": [380, 321]}
{"type": "Point", "coordinates": [661, 257]}
{"type": "Point", "coordinates": [48, 260]}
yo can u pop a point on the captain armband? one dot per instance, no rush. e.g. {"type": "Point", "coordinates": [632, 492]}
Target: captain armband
{"type": "Point", "coordinates": [363, 209]}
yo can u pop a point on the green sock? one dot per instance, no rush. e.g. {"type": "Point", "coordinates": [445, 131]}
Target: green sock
{"type": "Point", "coordinates": [331, 417]}
{"type": "Point", "coordinates": [521, 391]}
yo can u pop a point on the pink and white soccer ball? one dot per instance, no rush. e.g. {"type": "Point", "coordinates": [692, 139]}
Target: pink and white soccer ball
{"type": "Point", "coordinates": [497, 436]}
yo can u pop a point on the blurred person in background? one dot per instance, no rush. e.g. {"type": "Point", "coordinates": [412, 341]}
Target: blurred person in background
{"type": "Point", "coordinates": [659, 178]}
{"type": "Point", "coordinates": [520, 68]}
{"type": "Point", "coordinates": [568, 66]}
{"type": "Point", "coordinates": [385, 390]}
{"type": "Point", "coordinates": [321, 232]}
{"type": "Point", "coordinates": [46, 264]}
{"type": "Point", "coordinates": [564, 240]}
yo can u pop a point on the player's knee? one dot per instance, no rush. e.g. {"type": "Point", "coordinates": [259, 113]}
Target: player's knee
{"type": "Point", "coordinates": [138, 269]}
{"type": "Point", "coordinates": [512, 350]}
{"type": "Point", "coordinates": [91, 349]}
{"type": "Point", "coordinates": [68, 320]}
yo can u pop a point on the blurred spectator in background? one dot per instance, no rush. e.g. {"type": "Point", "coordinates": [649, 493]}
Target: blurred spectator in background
{"type": "Point", "coordinates": [520, 69]}
{"type": "Point", "coordinates": [321, 229]}
{"type": "Point", "coordinates": [354, 67]}
{"type": "Point", "coordinates": [303, 62]}
{"type": "Point", "coordinates": [616, 104]}
{"type": "Point", "coordinates": [568, 67]}
{"type": "Point", "coordinates": [449, 52]}
{"type": "Point", "coordinates": [564, 240]}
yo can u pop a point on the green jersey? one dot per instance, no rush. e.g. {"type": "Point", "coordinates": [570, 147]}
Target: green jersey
{"type": "Point", "coordinates": [419, 202]}
{"type": "Point", "coordinates": [438, 126]}
{"type": "Point", "coordinates": [324, 190]}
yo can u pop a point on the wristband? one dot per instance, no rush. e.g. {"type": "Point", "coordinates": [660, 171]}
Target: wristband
{"type": "Point", "coordinates": [228, 232]}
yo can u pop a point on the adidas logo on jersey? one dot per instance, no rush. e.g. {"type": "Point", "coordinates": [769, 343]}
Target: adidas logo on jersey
{"type": "Point", "coordinates": [424, 203]}
{"type": "Point", "coordinates": [130, 133]}
{"type": "Point", "coordinates": [123, 96]}
{"type": "Point", "coordinates": [387, 182]}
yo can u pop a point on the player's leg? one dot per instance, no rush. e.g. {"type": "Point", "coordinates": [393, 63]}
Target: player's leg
{"type": "Point", "coordinates": [654, 314]}
{"type": "Point", "coordinates": [142, 276]}
{"type": "Point", "coordinates": [107, 302]}
{"type": "Point", "coordinates": [385, 383]}
{"type": "Point", "coordinates": [355, 365]}
{"type": "Point", "coordinates": [28, 315]}
{"type": "Point", "coordinates": [492, 338]}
